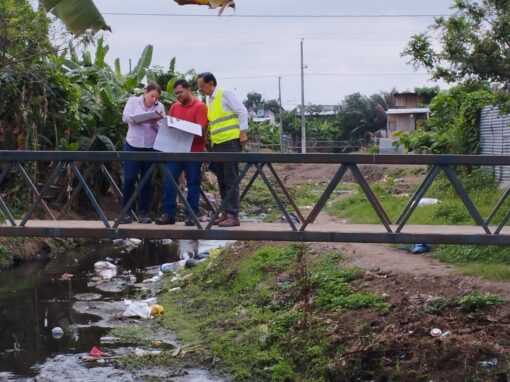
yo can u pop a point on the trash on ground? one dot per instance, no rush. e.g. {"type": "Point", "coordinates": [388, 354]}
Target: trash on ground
{"type": "Point", "coordinates": [153, 279]}
{"type": "Point", "coordinates": [190, 263]}
{"type": "Point", "coordinates": [57, 332]}
{"type": "Point", "coordinates": [95, 352]}
{"type": "Point", "coordinates": [66, 276]}
{"type": "Point", "coordinates": [167, 267]}
{"type": "Point", "coordinates": [135, 241]}
{"type": "Point", "coordinates": [174, 289]}
{"type": "Point", "coordinates": [87, 296]}
{"type": "Point", "coordinates": [109, 340]}
{"type": "Point", "coordinates": [436, 332]}
{"type": "Point", "coordinates": [138, 309]}
{"type": "Point", "coordinates": [427, 202]}
{"type": "Point", "coordinates": [417, 248]}
{"type": "Point", "coordinates": [105, 269]}
{"type": "Point", "coordinates": [157, 310]}
{"type": "Point", "coordinates": [490, 363]}
{"type": "Point", "coordinates": [294, 219]}
{"type": "Point", "coordinates": [445, 334]}
{"type": "Point", "coordinates": [142, 352]}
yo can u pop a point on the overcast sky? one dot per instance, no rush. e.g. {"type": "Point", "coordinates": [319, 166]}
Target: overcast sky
{"type": "Point", "coordinates": [342, 55]}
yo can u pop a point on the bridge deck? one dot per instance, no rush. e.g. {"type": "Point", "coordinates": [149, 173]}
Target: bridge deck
{"type": "Point", "coordinates": [327, 232]}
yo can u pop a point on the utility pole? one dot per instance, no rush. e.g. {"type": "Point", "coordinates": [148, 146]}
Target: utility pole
{"type": "Point", "coordinates": [303, 132]}
{"type": "Point", "coordinates": [280, 112]}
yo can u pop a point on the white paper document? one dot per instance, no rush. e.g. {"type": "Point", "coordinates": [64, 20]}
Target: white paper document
{"type": "Point", "coordinates": [146, 116]}
{"type": "Point", "coordinates": [171, 140]}
{"type": "Point", "coordinates": [189, 127]}
{"type": "Point", "coordinates": [176, 135]}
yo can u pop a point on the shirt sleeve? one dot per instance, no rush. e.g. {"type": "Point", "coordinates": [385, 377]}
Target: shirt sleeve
{"type": "Point", "coordinates": [236, 106]}
{"type": "Point", "coordinates": [129, 111]}
{"type": "Point", "coordinates": [201, 117]}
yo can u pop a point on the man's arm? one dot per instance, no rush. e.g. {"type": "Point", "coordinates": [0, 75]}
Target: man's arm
{"type": "Point", "coordinates": [238, 108]}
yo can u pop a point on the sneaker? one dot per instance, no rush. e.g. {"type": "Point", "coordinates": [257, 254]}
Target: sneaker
{"type": "Point", "coordinates": [230, 221]}
{"type": "Point", "coordinates": [127, 219]}
{"type": "Point", "coordinates": [165, 219]}
{"type": "Point", "coordinates": [144, 218]}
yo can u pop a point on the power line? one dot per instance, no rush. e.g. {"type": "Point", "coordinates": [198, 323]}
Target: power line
{"type": "Point", "coordinates": [327, 75]}
{"type": "Point", "coordinates": [288, 16]}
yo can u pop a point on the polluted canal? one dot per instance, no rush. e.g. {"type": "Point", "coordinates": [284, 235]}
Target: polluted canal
{"type": "Point", "coordinates": [55, 313]}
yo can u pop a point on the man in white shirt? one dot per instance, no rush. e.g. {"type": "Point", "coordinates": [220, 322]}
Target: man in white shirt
{"type": "Point", "coordinates": [228, 124]}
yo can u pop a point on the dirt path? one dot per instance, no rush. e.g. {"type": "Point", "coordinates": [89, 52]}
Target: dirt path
{"type": "Point", "coordinates": [384, 257]}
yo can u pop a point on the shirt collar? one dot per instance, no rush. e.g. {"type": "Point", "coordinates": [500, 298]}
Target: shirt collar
{"type": "Point", "coordinates": [191, 103]}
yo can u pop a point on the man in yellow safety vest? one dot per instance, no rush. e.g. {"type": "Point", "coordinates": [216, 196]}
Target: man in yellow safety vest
{"type": "Point", "coordinates": [228, 123]}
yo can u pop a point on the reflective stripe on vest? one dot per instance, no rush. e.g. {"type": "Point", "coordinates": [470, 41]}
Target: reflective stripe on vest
{"type": "Point", "coordinates": [223, 125]}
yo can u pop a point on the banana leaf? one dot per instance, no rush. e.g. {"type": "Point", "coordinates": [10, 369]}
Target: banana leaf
{"type": "Point", "coordinates": [78, 16]}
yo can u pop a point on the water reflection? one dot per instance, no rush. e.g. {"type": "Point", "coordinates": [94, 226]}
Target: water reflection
{"type": "Point", "coordinates": [37, 297]}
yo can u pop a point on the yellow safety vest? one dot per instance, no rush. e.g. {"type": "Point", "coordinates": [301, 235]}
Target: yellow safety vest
{"type": "Point", "coordinates": [223, 125]}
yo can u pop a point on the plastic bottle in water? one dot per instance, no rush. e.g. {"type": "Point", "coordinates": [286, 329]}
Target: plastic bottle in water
{"type": "Point", "coordinates": [167, 267]}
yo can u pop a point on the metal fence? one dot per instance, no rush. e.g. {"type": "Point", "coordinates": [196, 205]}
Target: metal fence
{"type": "Point", "coordinates": [83, 166]}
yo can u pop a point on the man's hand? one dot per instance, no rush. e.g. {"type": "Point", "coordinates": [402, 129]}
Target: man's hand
{"type": "Point", "coordinates": [243, 138]}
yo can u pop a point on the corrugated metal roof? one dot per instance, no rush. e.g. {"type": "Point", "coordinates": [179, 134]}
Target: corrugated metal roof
{"type": "Point", "coordinates": [495, 139]}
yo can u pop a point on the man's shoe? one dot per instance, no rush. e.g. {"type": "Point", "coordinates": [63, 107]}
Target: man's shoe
{"type": "Point", "coordinates": [165, 219]}
{"type": "Point", "coordinates": [127, 219]}
{"type": "Point", "coordinates": [221, 218]}
{"type": "Point", "coordinates": [230, 221]}
{"type": "Point", "coordinates": [144, 218]}
{"type": "Point", "coordinates": [188, 222]}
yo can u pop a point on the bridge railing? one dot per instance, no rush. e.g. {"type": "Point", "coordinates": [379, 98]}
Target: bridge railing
{"type": "Point", "coordinates": [83, 165]}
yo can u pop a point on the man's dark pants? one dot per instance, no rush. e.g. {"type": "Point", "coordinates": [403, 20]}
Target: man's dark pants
{"type": "Point", "coordinates": [227, 172]}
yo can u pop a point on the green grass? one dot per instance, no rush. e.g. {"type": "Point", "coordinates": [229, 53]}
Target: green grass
{"type": "Point", "coordinates": [259, 199]}
{"type": "Point", "coordinates": [476, 302]}
{"type": "Point", "coordinates": [258, 312]}
{"type": "Point", "coordinates": [358, 210]}
{"type": "Point", "coordinates": [497, 272]}
{"type": "Point", "coordinates": [487, 261]}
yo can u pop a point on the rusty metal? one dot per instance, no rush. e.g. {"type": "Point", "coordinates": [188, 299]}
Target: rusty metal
{"type": "Point", "coordinates": [415, 199]}
{"type": "Point", "coordinates": [390, 233]}
{"type": "Point", "coordinates": [324, 197]}
{"type": "Point", "coordinates": [56, 170]}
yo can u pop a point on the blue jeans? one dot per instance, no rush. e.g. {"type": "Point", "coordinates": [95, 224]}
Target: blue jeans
{"type": "Point", "coordinates": [133, 172]}
{"type": "Point", "coordinates": [192, 170]}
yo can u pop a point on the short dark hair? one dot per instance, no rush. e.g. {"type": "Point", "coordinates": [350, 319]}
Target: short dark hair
{"type": "Point", "coordinates": [182, 82]}
{"type": "Point", "coordinates": [152, 86]}
{"type": "Point", "coordinates": [208, 77]}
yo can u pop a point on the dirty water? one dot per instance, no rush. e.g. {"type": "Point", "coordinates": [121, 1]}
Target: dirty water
{"type": "Point", "coordinates": [66, 292]}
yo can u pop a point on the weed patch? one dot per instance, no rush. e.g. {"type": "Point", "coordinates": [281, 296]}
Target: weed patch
{"type": "Point", "coordinates": [258, 312]}
{"type": "Point", "coordinates": [476, 301]}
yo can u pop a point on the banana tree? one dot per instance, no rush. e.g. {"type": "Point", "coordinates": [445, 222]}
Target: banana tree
{"type": "Point", "coordinates": [78, 16]}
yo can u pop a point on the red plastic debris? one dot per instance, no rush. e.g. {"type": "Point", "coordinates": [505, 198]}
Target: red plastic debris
{"type": "Point", "coordinates": [95, 352]}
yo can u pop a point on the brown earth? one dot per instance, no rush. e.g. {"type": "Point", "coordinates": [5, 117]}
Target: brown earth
{"type": "Point", "coordinates": [400, 342]}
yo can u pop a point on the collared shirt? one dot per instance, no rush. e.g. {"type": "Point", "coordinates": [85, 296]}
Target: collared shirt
{"type": "Point", "coordinates": [143, 134]}
{"type": "Point", "coordinates": [196, 112]}
{"type": "Point", "coordinates": [229, 102]}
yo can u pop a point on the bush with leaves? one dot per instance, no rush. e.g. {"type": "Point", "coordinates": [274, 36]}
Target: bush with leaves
{"type": "Point", "coordinates": [453, 124]}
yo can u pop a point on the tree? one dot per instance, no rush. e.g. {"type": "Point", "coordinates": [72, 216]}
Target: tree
{"type": "Point", "coordinates": [453, 124]}
{"type": "Point", "coordinates": [78, 16]}
{"type": "Point", "coordinates": [474, 43]}
{"type": "Point", "coordinates": [254, 101]}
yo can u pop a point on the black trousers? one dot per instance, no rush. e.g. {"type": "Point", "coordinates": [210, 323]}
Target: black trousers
{"type": "Point", "coordinates": [227, 172]}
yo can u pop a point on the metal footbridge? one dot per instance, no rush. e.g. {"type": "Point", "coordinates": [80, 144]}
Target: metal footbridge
{"type": "Point", "coordinates": [84, 172]}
